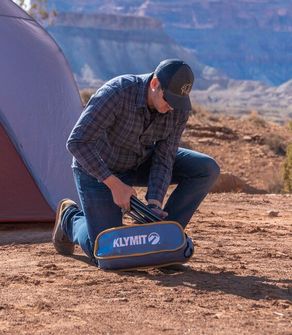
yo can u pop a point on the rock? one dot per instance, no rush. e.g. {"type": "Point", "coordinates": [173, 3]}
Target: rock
{"type": "Point", "coordinates": [227, 182]}
{"type": "Point", "coordinates": [209, 141]}
{"type": "Point", "coordinates": [247, 138]}
{"type": "Point", "coordinates": [169, 299]}
{"type": "Point", "coordinates": [273, 213]}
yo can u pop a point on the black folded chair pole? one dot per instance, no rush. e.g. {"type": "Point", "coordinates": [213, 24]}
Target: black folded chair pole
{"type": "Point", "coordinates": [140, 212]}
{"type": "Point", "coordinates": [135, 217]}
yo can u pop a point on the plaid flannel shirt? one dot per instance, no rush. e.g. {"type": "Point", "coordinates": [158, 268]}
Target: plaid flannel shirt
{"type": "Point", "coordinates": [115, 134]}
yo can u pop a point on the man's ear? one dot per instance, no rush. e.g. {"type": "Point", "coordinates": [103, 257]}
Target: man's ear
{"type": "Point", "coordinates": [154, 83]}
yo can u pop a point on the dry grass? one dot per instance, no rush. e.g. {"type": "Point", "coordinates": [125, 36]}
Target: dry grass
{"type": "Point", "coordinates": [256, 119]}
{"type": "Point", "coordinates": [276, 143]}
{"type": "Point", "coordinates": [85, 95]}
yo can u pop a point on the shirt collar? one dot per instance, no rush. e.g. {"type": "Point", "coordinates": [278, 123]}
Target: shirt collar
{"type": "Point", "coordinates": [142, 95]}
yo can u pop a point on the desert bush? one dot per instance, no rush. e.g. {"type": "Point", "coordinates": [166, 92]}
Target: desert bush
{"type": "Point", "coordinates": [275, 182]}
{"type": "Point", "coordinates": [38, 9]}
{"type": "Point", "coordinates": [200, 110]}
{"type": "Point", "coordinates": [85, 95]}
{"type": "Point", "coordinates": [186, 143]}
{"type": "Point", "coordinates": [256, 119]}
{"type": "Point", "coordinates": [287, 175]}
{"type": "Point", "coordinates": [276, 143]}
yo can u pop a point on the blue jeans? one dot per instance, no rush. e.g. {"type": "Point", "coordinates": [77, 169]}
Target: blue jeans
{"type": "Point", "coordinates": [193, 172]}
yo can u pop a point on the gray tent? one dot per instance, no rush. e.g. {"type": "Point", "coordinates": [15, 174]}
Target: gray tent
{"type": "Point", "coordinates": [39, 104]}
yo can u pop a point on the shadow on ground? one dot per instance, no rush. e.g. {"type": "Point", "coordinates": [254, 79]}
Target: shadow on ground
{"type": "Point", "coordinates": [249, 287]}
{"type": "Point", "coordinates": [25, 233]}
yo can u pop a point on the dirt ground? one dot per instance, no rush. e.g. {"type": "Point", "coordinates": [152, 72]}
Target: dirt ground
{"type": "Point", "coordinates": [238, 282]}
{"type": "Point", "coordinates": [249, 148]}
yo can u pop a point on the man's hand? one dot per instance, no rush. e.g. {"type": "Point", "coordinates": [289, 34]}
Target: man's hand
{"type": "Point", "coordinates": [121, 192]}
{"type": "Point", "coordinates": [155, 206]}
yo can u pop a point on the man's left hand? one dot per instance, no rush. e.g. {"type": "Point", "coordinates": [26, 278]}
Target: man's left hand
{"type": "Point", "coordinates": [157, 210]}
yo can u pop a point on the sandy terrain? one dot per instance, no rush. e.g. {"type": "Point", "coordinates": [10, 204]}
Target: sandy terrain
{"type": "Point", "coordinates": [238, 282]}
{"type": "Point", "coordinates": [249, 148]}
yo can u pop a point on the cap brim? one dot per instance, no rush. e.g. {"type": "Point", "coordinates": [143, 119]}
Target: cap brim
{"type": "Point", "coordinates": [177, 101]}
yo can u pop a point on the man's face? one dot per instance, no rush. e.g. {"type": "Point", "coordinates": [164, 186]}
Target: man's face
{"type": "Point", "coordinates": [162, 104]}
{"type": "Point", "coordinates": [157, 98]}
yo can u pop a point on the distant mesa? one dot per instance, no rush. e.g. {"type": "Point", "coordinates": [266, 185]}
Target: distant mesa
{"type": "Point", "coordinates": [106, 21]}
{"type": "Point", "coordinates": [107, 45]}
{"type": "Point", "coordinates": [99, 46]}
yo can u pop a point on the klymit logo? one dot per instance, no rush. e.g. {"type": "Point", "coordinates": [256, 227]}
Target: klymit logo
{"type": "Point", "coordinates": [152, 238]}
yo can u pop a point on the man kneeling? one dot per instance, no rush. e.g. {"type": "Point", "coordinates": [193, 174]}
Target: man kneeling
{"type": "Point", "coordinates": [128, 135]}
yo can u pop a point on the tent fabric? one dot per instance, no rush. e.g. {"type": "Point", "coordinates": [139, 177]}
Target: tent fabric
{"type": "Point", "coordinates": [39, 104]}
{"type": "Point", "coordinates": [20, 195]}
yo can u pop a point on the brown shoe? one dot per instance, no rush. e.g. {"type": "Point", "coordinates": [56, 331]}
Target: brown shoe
{"type": "Point", "coordinates": [61, 242]}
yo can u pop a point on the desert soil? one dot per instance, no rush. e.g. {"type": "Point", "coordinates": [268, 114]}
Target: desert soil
{"type": "Point", "coordinates": [238, 282]}
{"type": "Point", "coordinates": [249, 148]}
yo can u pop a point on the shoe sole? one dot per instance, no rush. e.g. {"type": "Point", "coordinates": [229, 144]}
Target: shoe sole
{"type": "Point", "coordinates": [56, 226]}
{"type": "Point", "coordinates": [58, 217]}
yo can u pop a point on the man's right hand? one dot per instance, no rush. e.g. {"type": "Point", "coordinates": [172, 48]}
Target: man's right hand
{"type": "Point", "coordinates": [121, 192]}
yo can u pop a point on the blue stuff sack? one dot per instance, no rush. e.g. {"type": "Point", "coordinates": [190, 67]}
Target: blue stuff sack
{"type": "Point", "coordinates": [142, 245]}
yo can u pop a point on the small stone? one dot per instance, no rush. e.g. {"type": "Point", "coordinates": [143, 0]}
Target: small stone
{"type": "Point", "coordinates": [205, 140]}
{"type": "Point", "coordinates": [273, 214]}
{"type": "Point", "coordinates": [247, 138]}
{"type": "Point", "coordinates": [170, 299]}
{"type": "Point", "coordinates": [123, 299]}
{"type": "Point", "coordinates": [279, 314]}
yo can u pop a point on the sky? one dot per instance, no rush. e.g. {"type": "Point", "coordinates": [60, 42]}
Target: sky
{"type": "Point", "coordinates": [25, 4]}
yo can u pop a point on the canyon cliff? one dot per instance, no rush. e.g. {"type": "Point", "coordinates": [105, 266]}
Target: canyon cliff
{"type": "Point", "coordinates": [245, 39]}
{"type": "Point", "coordinates": [101, 46]}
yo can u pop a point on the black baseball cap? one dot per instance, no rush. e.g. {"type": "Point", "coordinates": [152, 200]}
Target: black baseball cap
{"type": "Point", "coordinates": [176, 79]}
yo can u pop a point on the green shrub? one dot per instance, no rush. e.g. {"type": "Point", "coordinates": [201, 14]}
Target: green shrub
{"type": "Point", "coordinates": [287, 175]}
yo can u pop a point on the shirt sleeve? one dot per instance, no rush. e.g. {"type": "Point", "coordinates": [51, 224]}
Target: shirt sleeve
{"type": "Point", "coordinates": [98, 115]}
{"type": "Point", "coordinates": [162, 162]}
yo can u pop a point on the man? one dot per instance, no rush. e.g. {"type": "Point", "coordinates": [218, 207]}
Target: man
{"type": "Point", "coordinates": [128, 135]}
